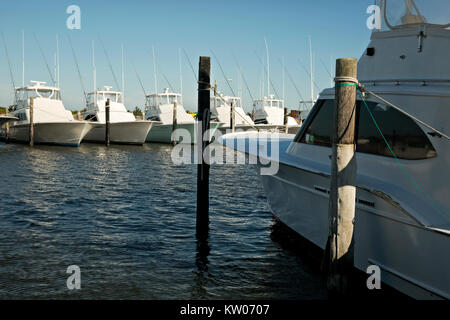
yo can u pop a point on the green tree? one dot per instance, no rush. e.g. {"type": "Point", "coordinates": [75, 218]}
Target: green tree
{"type": "Point", "coordinates": [137, 112]}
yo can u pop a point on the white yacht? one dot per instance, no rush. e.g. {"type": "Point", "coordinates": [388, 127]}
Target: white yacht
{"type": "Point", "coordinates": [159, 109]}
{"type": "Point", "coordinates": [269, 110]}
{"type": "Point", "coordinates": [269, 115]}
{"type": "Point", "coordinates": [53, 124]}
{"type": "Point", "coordinates": [221, 111]}
{"type": "Point", "coordinates": [402, 221]}
{"type": "Point", "coordinates": [124, 128]}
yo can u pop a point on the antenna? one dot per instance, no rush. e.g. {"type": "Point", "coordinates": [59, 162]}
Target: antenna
{"type": "Point", "coordinates": [109, 63]}
{"type": "Point", "coordinates": [123, 80]}
{"type": "Point", "coordinates": [282, 75]}
{"type": "Point", "coordinates": [9, 64]}
{"type": "Point", "coordinates": [293, 82]}
{"type": "Point", "coordinates": [224, 76]}
{"type": "Point", "coordinates": [326, 69]}
{"type": "Point", "coordinates": [57, 60]}
{"type": "Point", "coordinates": [307, 72]}
{"type": "Point", "coordinates": [243, 78]}
{"type": "Point", "coordinates": [311, 68]}
{"type": "Point", "coordinates": [45, 59]}
{"type": "Point", "coordinates": [139, 79]}
{"type": "Point", "coordinates": [94, 69]}
{"type": "Point", "coordinates": [264, 71]}
{"type": "Point", "coordinates": [54, 64]}
{"type": "Point", "coordinates": [23, 58]}
{"type": "Point", "coordinates": [190, 64]}
{"type": "Point", "coordinates": [181, 75]}
{"type": "Point", "coordinates": [78, 68]}
{"type": "Point", "coordinates": [154, 69]}
{"type": "Point", "coordinates": [268, 68]}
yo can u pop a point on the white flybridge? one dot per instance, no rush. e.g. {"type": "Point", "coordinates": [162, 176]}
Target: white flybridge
{"type": "Point", "coordinates": [270, 111]}
{"type": "Point", "coordinates": [53, 124]}
{"type": "Point", "coordinates": [402, 219]}
{"type": "Point", "coordinates": [159, 109]}
{"type": "Point", "coordinates": [124, 128]}
{"type": "Point", "coordinates": [221, 111]}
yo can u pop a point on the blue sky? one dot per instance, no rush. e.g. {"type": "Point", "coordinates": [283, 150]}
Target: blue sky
{"type": "Point", "coordinates": [337, 29]}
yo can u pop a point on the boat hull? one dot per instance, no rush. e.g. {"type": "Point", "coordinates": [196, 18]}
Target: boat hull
{"type": "Point", "coordinates": [162, 133]}
{"type": "Point", "coordinates": [51, 133]}
{"type": "Point", "coordinates": [133, 132]}
{"type": "Point", "coordinates": [411, 257]}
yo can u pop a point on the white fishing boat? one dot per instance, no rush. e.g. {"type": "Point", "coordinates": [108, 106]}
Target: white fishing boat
{"type": "Point", "coordinates": [53, 124]}
{"type": "Point", "coordinates": [221, 107]}
{"type": "Point", "coordinates": [159, 109]}
{"type": "Point", "coordinates": [270, 111]}
{"type": "Point", "coordinates": [124, 128]}
{"type": "Point", "coordinates": [402, 221]}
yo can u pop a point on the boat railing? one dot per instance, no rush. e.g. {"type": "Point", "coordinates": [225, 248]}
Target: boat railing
{"type": "Point", "coordinates": [397, 82]}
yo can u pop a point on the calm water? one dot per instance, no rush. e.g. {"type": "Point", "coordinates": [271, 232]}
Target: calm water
{"type": "Point", "coordinates": [126, 216]}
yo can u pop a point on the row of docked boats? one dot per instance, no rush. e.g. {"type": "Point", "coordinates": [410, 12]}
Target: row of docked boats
{"type": "Point", "coordinates": [54, 124]}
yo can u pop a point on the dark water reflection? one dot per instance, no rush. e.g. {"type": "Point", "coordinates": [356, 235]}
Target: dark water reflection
{"type": "Point", "coordinates": [126, 216]}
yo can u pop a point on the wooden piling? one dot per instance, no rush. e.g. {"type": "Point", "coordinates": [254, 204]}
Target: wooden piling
{"type": "Point", "coordinates": [174, 123]}
{"type": "Point", "coordinates": [286, 115]}
{"type": "Point", "coordinates": [232, 117]}
{"type": "Point", "coordinates": [31, 125]}
{"type": "Point", "coordinates": [107, 123]}
{"type": "Point", "coordinates": [204, 87]}
{"type": "Point", "coordinates": [343, 175]}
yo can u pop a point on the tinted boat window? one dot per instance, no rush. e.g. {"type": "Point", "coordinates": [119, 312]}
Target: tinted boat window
{"type": "Point", "coordinates": [320, 129]}
{"type": "Point", "coordinates": [404, 136]}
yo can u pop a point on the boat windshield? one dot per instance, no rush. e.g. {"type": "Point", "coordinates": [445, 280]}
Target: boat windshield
{"type": "Point", "coordinates": [156, 100]}
{"type": "Point", "coordinates": [103, 96]}
{"type": "Point", "coordinates": [113, 97]}
{"type": "Point", "coordinates": [260, 104]}
{"type": "Point", "coordinates": [228, 100]}
{"type": "Point", "coordinates": [28, 92]}
{"type": "Point", "coordinates": [410, 13]}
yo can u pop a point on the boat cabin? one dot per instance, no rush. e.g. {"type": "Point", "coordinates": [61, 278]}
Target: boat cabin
{"type": "Point", "coordinates": [37, 91]}
{"type": "Point", "coordinates": [167, 97]}
{"type": "Point", "coordinates": [100, 97]}
{"type": "Point", "coordinates": [269, 102]}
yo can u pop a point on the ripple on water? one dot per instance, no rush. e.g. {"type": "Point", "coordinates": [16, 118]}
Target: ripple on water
{"type": "Point", "coordinates": [126, 216]}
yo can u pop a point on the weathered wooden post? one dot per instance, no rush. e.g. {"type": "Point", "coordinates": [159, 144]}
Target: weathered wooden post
{"type": "Point", "coordinates": [107, 125]}
{"type": "Point", "coordinates": [31, 129]}
{"type": "Point", "coordinates": [204, 88]}
{"type": "Point", "coordinates": [174, 123]}
{"type": "Point", "coordinates": [286, 114]}
{"type": "Point", "coordinates": [343, 175]}
{"type": "Point", "coordinates": [232, 117]}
